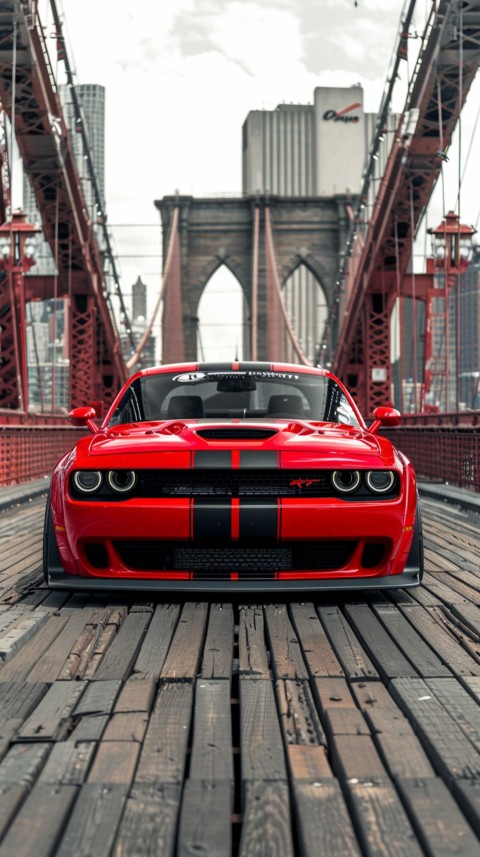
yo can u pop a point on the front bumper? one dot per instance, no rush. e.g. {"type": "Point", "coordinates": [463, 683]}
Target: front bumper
{"type": "Point", "coordinates": [57, 579]}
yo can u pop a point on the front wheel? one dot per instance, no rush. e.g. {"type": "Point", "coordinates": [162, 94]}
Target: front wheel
{"type": "Point", "coordinates": [415, 561]}
{"type": "Point", "coordinates": [51, 556]}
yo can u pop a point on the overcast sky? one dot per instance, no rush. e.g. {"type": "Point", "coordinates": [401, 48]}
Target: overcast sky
{"type": "Point", "coordinates": [182, 75]}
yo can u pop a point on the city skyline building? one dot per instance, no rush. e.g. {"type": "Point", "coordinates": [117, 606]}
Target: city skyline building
{"type": "Point", "coordinates": [317, 149]}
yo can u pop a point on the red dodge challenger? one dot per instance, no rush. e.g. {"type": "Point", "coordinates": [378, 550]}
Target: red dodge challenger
{"type": "Point", "coordinates": [233, 478]}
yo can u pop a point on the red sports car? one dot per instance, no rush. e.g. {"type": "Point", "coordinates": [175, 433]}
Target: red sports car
{"type": "Point", "coordinates": [230, 478]}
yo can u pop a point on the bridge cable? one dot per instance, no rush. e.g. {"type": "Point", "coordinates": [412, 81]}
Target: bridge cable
{"type": "Point", "coordinates": [457, 296]}
{"type": "Point", "coordinates": [161, 295]}
{"type": "Point", "coordinates": [414, 304]}
{"type": "Point", "coordinates": [278, 289]}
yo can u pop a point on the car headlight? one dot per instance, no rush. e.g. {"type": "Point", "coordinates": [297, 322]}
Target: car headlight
{"type": "Point", "coordinates": [87, 481]}
{"type": "Point", "coordinates": [121, 481]}
{"type": "Point", "coordinates": [380, 481]}
{"type": "Point", "coordinates": [345, 481]}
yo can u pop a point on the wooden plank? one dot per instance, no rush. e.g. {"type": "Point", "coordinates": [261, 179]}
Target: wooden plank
{"type": "Point", "coordinates": [433, 627]}
{"type": "Point", "coordinates": [115, 762]}
{"type": "Point", "coordinates": [460, 705]}
{"type": "Point", "coordinates": [51, 718]}
{"type": "Point", "coordinates": [386, 655]}
{"type": "Point", "coordinates": [308, 762]}
{"type": "Point", "coordinates": [211, 757]}
{"type": "Point", "coordinates": [317, 651]}
{"type": "Point", "coordinates": [22, 763]}
{"type": "Point", "coordinates": [299, 720]}
{"type": "Point", "coordinates": [52, 663]}
{"type": "Point", "coordinates": [23, 662]}
{"type": "Point", "coordinates": [467, 795]}
{"type": "Point", "coordinates": [19, 632]}
{"type": "Point", "coordinates": [11, 799]}
{"type": "Point", "coordinates": [348, 649]}
{"type": "Point", "coordinates": [205, 819]}
{"type": "Point", "coordinates": [126, 726]}
{"type": "Point", "coordinates": [266, 826]}
{"type": "Point", "coordinates": [427, 663]}
{"type": "Point", "coordinates": [137, 694]}
{"type": "Point", "coordinates": [469, 615]}
{"type": "Point", "coordinates": [345, 721]}
{"type": "Point", "coordinates": [68, 763]}
{"type": "Point", "coordinates": [38, 826]}
{"type": "Point", "coordinates": [323, 825]}
{"type": "Point", "coordinates": [261, 740]}
{"type": "Point", "coordinates": [93, 824]}
{"type": "Point", "coordinates": [149, 822]}
{"type": "Point", "coordinates": [153, 651]}
{"type": "Point", "coordinates": [356, 757]}
{"type": "Point", "coordinates": [447, 747]}
{"type": "Point", "coordinates": [382, 825]}
{"type": "Point", "coordinates": [332, 693]}
{"type": "Point", "coordinates": [287, 660]}
{"type": "Point", "coordinates": [90, 728]}
{"type": "Point", "coordinates": [17, 700]}
{"type": "Point", "coordinates": [218, 649]}
{"type": "Point", "coordinates": [164, 749]}
{"type": "Point", "coordinates": [183, 659]}
{"type": "Point", "coordinates": [91, 644]}
{"type": "Point", "coordinates": [472, 684]}
{"type": "Point", "coordinates": [122, 652]}
{"type": "Point", "coordinates": [253, 658]}
{"type": "Point", "coordinates": [439, 824]}
{"type": "Point", "coordinates": [99, 698]}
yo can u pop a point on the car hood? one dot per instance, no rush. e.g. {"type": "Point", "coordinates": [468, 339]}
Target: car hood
{"type": "Point", "coordinates": [321, 444]}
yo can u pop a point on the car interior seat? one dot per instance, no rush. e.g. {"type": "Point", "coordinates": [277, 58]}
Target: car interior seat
{"type": "Point", "coordinates": [185, 407]}
{"type": "Point", "coordinates": [288, 406]}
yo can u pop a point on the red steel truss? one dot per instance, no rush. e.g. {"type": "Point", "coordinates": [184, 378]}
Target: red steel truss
{"type": "Point", "coordinates": [29, 96]}
{"type": "Point", "coordinates": [445, 70]}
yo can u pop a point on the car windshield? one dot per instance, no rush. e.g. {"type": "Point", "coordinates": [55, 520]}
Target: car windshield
{"type": "Point", "coordinates": [227, 394]}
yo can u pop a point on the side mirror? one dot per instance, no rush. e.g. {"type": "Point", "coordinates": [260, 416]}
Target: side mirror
{"type": "Point", "coordinates": [84, 417]}
{"type": "Point", "coordinates": [385, 417]}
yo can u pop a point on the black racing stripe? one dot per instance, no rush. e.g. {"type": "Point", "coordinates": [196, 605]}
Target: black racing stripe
{"type": "Point", "coordinates": [215, 367]}
{"type": "Point", "coordinates": [212, 520]}
{"type": "Point", "coordinates": [253, 459]}
{"type": "Point", "coordinates": [258, 520]}
{"type": "Point", "coordinates": [251, 367]}
{"type": "Point", "coordinates": [213, 459]}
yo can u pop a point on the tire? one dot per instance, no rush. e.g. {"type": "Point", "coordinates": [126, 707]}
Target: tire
{"type": "Point", "coordinates": [416, 557]}
{"type": "Point", "coordinates": [51, 556]}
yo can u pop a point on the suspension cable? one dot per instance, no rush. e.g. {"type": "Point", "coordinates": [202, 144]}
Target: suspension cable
{"type": "Point", "coordinates": [278, 289]}
{"type": "Point", "coordinates": [166, 273]}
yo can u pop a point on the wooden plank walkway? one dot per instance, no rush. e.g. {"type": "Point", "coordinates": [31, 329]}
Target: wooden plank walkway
{"type": "Point", "coordinates": [130, 725]}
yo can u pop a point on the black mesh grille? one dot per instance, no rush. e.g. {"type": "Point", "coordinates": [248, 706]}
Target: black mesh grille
{"type": "Point", "coordinates": [233, 483]}
{"type": "Point", "coordinates": [214, 560]}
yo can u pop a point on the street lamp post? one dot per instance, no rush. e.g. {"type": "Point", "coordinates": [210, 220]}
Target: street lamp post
{"type": "Point", "coordinates": [17, 248]}
{"type": "Point", "coordinates": [452, 244]}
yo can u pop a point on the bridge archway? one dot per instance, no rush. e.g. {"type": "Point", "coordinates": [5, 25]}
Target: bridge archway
{"type": "Point", "coordinates": [222, 314]}
{"type": "Point", "coordinates": [307, 307]}
{"type": "Point", "coordinates": [230, 231]}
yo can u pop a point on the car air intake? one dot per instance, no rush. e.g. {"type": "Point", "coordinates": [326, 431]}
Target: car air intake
{"type": "Point", "coordinates": [236, 433]}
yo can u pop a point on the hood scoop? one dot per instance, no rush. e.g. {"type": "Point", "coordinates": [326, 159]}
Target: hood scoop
{"type": "Point", "coordinates": [234, 433]}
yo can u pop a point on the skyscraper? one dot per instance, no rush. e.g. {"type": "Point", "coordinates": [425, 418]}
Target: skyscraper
{"type": "Point", "coordinates": [317, 149]}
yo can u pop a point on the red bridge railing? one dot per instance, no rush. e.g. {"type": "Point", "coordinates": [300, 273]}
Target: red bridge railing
{"type": "Point", "coordinates": [442, 447]}
{"type": "Point", "coordinates": [30, 448]}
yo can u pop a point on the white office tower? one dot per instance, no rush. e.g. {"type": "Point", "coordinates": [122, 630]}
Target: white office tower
{"type": "Point", "coordinates": [300, 150]}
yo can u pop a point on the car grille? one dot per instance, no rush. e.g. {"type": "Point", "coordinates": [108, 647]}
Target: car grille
{"type": "Point", "coordinates": [214, 560]}
{"type": "Point", "coordinates": [233, 483]}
